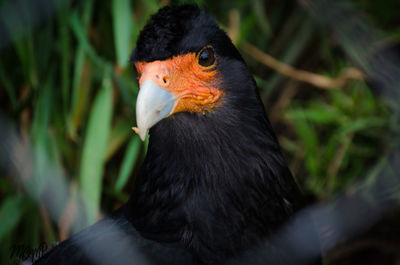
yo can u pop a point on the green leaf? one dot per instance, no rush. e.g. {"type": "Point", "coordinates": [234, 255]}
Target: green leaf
{"type": "Point", "coordinates": [64, 43]}
{"type": "Point", "coordinates": [321, 114]}
{"type": "Point", "coordinates": [362, 124]}
{"type": "Point", "coordinates": [43, 107]}
{"type": "Point", "coordinates": [80, 33]}
{"type": "Point", "coordinates": [17, 24]}
{"type": "Point", "coordinates": [79, 61]}
{"type": "Point", "coordinates": [309, 137]}
{"type": "Point", "coordinates": [94, 149]}
{"type": "Point", "coordinates": [119, 135]}
{"type": "Point", "coordinates": [11, 211]}
{"type": "Point", "coordinates": [152, 5]}
{"type": "Point", "coordinates": [39, 134]}
{"type": "Point", "coordinates": [259, 11]}
{"type": "Point", "coordinates": [131, 156]}
{"type": "Point", "coordinates": [6, 82]}
{"type": "Point", "coordinates": [122, 23]}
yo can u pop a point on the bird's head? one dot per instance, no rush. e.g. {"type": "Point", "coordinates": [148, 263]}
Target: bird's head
{"type": "Point", "coordinates": [184, 63]}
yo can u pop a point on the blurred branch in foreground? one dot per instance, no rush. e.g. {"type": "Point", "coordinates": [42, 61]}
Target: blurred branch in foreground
{"type": "Point", "coordinates": [336, 221]}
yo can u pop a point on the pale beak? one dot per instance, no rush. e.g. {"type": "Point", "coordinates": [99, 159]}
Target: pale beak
{"type": "Point", "coordinates": [152, 105]}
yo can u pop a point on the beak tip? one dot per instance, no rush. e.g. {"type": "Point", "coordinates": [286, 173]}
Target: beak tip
{"type": "Point", "coordinates": [142, 134]}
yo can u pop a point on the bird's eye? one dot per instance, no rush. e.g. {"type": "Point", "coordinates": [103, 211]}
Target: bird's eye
{"type": "Point", "coordinates": [206, 56]}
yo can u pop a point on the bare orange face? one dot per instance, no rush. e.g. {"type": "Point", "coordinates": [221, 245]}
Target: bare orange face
{"type": "Point", "coordinates": [192, 79]}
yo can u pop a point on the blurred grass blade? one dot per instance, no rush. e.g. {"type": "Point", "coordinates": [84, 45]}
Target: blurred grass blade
{"type": "Point", "coordinates": [320, 114]}
{"type": "Point", "coordinates": [64, 44]}
{"type": "Point", "coordinates": [259, 11]}
{"type": "Point", "coordinates": [11, 211]}
{"type": "Point", "coordinates": [153, 5]}
{"type": "Point", "coordinates": [299, 41]}
{"type": "Point", "coordinates": [119, 135]}
{"type": "Point", "coordinates": [72, 125]}
{"type": "Point", "coordinates": [362, 124]}
{"type": "Point", "coordinates": [94, 149]}
{"type": "Point", "coordinates": [81, 36]}
{"type": "Point", "coordinates": [122, 22]}
{"type": "Point", "coordinates": [6, 82]}
{"type": "Point", "coordinates": [16, 21]}
{"type": "Point", "coordinates": [310, 139]}
{"type": "Point", "coordinates": [131, 155]}
{"type": "Point", "coordinates": [39, 133]}
{"type": "Point", "coordinates": [42, 112]}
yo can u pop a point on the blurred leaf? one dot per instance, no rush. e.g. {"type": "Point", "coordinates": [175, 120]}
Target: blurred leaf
{"type": "Point", "coordinates": [131, 155]}
{"type": "Point", "coordinates": [122, 23]}
{"type": "Point", "coordinates": [119, 134]}
{"type": "Point", "coordinates": [43, 107]}
{"type": "Point", "coordinates": [128, 88]}
{"type": "Point", "coordinates": [11, 211]}
{"type": "Point", "coordinates": [309, 138]}
{"type": "Point", "coordinates": [80, 107]}
{"type": "Point", "coordinates": [79, 60]}
{"type": "Point", "coordinates": [362, 124]}
{"type": "Point", "coordinates": [32, 226]}
{"type": "Point", "coordinates": [288, 144]}
{"type": "Point", "coordinates": [9, 87]}
{"type": "Point", "coordinates": [340, 100]}
{"type": "Point", "coordinates": [259, 10]}
{"type": "Point", "coordinates": [152, 5]}
{"type": "Point", "coordinates": [298, 42]}
{"type": "Point", "coordinates": [94, 149]}
{"type": "Point", "coordinates": [245, 28]}
{"type": "Point", "coordinates": [64, 43]}
{"type": "Point", "coordinates": [320, 113]}
{"type": "Point", "coordinates": [15, 22]}
{"type": "Point", "coordinates": [41, 119]}
{"type": "Point", "coordinates": [80, 33]}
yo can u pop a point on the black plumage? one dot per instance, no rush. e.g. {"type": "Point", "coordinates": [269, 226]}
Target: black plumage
{"type": "Point", "coordinates": [213, 184]}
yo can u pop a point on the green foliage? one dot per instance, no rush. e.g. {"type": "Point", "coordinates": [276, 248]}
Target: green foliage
{"type": "Point", "coordinates": [132, 152]}
{"type": "Point", "coordinates": [123, 24]}
{"type": "Point", "coordinates": [77, 105]}
{"type": "Point", "coordinates": [11, 210]}
{"type": "Point", "coordinates": [338, 135]}
{"type": "Point", "coordinates": [94, 149]}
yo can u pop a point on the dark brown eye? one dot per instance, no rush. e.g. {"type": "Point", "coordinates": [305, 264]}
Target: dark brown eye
{"type": "Point", "coordinates": [206, 57]}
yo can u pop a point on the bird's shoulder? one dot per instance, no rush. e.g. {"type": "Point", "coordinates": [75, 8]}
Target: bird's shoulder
{"type": "Point", "coordinates": [113, 240]}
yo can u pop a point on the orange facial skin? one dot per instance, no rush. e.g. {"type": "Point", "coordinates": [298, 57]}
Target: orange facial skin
{"type": "Point", "coordinates": [194, 86]}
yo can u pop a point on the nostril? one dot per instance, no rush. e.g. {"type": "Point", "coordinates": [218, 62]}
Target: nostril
{"type": "Point", "coordinates": [165, 80]}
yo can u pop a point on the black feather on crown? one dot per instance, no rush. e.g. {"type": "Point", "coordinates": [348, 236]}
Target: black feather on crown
{"type": "Point", "coordinates": [176, 30]}
{"type": "Point", "coordinates": [162, 36]}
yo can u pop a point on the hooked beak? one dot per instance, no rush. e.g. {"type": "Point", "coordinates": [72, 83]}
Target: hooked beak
{"type": "Point", "coordinates": [152, 105]}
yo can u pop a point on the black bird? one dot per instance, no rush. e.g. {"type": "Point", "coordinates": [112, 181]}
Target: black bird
{"type": "Point", "coordinates": [214, 183]}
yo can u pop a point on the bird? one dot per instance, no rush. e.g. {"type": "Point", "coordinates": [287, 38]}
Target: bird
{"type": "Point", "coordinates": [214, 183]}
